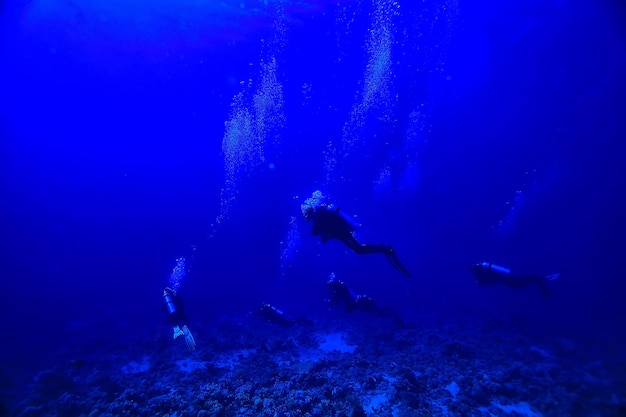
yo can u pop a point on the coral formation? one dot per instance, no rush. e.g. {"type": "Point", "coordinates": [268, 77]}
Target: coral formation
{"type": "Point", "coordinates": [337, 369]}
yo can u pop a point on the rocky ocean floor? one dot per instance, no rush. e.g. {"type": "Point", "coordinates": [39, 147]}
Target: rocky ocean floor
{"type": "Point", "coordinates": [353, 367]}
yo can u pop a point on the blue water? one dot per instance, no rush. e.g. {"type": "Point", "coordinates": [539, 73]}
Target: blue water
{"type": "Point", "coordinates": [137, 133]}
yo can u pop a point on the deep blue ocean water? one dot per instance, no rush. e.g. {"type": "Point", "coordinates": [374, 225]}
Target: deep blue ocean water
{"type": "Point", "coordinates": [136, 133]}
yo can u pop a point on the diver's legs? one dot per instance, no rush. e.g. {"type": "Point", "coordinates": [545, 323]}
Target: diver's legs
{"type": "Point", "coordinates": [361, 248]}
{"type": "Point", "coordinates": [543, 284]}
{"type": "Point", "coordinates": [543, 287]}
{"type": "Point", "coordinates": [392, 256]}
{"type": "Point", "coordinates": [390, 312]}
{"type": "Point", "coordinates": [524, 281]}
{"type": "Point", "coordinates": [303, 322]}
{"type": "Point", "coordinates": [367, 248]}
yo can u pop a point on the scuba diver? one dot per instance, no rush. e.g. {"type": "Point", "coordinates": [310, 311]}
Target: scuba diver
{"type": "Point", "coordinates": [173, 305]}
{"type": "Point", "coordinates": [329, 222]}
{"type": "Point", "coordinates": [489, 274]}
{"type": "Point", "coordinates": [276, 316]}
{"type": "Point", "coordinates": [340, 293]}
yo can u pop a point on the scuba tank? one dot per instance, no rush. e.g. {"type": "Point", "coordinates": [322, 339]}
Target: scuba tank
{"type": "Point", "coordinates": [495, 268]}
{"type": "Point", "coordinates": [351, 220]}
{"type": "Point", "coordinates": [170, 305]}
{"type": "Point", "coordinates": [266, 307]}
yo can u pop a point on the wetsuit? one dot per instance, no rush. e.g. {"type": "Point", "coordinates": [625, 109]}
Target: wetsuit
{"type": "Point", "coordinates": [340, 293]}
{"type": "Point", "coordinates": [174, 308]}
{"type": "Point", "coordinates": [276, 316]}
{"type": "Point", "coordinates": [487, 273]}
{"type": "Point", "coordinates": [330, 223]}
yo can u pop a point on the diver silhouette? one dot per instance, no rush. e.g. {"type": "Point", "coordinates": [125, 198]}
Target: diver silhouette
{"type": "Point", "coordinates": [487, 273]}
{"type": "Point", "coordinates": [330, 222]}
{"type": "Point", "coordinates": [276, 316]}
{"type": "Point", "coordinates": [341, 294]}
{"type": "Point", "coordinates": [175, 310]}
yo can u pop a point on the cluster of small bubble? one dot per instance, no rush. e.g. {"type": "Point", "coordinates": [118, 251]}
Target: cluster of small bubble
{"type": "Point", "coordinates": [239, 149]}
{"type": "Point", "coordinates": [330, 163]}
{"type": "Point", "coordinates": [289, 245]}
{"type": "Point", "coordinates": [313, 202]}
{"type": "Point", "coordinates": [529, 188]}
{"type": "Point", "coordinates": [256, 113]}
{"type": "Point", "coordinates": [418, 129]}
{"type": "Point", "coordinates": [178, 274]}
{"type": "Point", "coordinates": [415, 139]}
{"type": "Point", "coordinates": [239, 145]}
{"type": "Point", "coordinates": [442, 28]}
{"type": "Point", "coordinates": [378, 72]}
{"type": "Point", "coordinates": [346, 18]}
{"type": "Point", "coordinates": [269, 104]}
{"type": "Point", "coordinates": [382, 184]}
{"type": "Point", "coordinates": [246, 132]}
{"type": "Point", "coordinates": [505, 225]}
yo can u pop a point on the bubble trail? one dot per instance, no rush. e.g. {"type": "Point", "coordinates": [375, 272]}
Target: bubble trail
{"type": "Point", "coordinates": [289, 246]}
{"type": "Point", "coordinates": [178, 274]}
{"type": "Point", "coordinates": [378, 74]}
{"type": "Point", "coordinates": [253, 129]}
